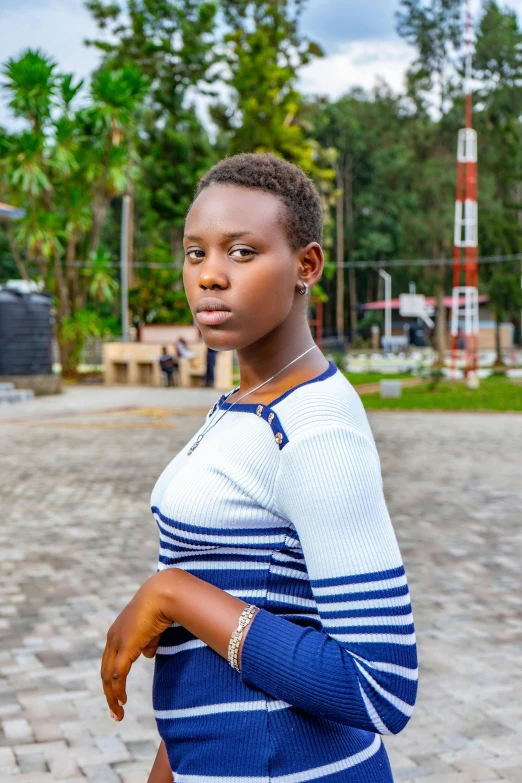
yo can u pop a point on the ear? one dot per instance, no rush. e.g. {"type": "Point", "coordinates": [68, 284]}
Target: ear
{"type": "Point", "coordinates": [311, 263]}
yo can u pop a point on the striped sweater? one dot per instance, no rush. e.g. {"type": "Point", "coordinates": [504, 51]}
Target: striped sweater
{"type": "Point", "coordinates": [282, 505]}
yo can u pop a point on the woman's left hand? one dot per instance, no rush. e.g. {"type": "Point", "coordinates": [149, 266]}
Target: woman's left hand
{"type": "Point", "coordinates": [135, 631]}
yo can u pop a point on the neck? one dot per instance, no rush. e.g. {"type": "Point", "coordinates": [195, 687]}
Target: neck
{"type": "Point", "coordinates": [265, 357]}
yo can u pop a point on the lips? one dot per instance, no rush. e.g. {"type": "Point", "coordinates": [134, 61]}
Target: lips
{"type": "Point", "coordinates": [211, 311]}
{"type": "Point", "coordinates": [209, 304]}
{"type": "Point", "coordinates": [213, 317]}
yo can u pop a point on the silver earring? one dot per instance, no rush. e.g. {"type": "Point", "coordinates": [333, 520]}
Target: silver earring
{"type": "Point", "coordinates": [304, 290]}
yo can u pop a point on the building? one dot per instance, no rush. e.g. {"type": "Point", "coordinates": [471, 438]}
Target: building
{"type": "Point", "coordinates": [486, 321]}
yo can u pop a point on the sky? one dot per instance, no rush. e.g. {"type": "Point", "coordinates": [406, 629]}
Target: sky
{"type": "Point", "coordinates": [358, 37]}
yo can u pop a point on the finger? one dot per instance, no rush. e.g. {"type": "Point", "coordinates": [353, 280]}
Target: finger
{"type": "Point", "coordinates": [112, 701]}
{"type": "Point", "coordinates": [150, 650]}
{"type": "Point", "coordinates": [120, 668]}
{"type": "Point", "coordinates": [109, 656]}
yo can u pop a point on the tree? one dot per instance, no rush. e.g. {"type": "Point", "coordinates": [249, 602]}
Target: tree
{"type": "Point", "coordinates": [173, 43]}
{"type": "Point", "coordinates": [434, 28]}
{"type": "Point", "coordinates": [505, 300]}
{"type": "Point", "coordinates": [102, 285]}
{"type": "Point", "coordinates": [64, 167]}
{"type": "Point", "coordinates": [263, 54]}
{"type": "Point", "coordinates": [498, 68]}
{"type": "Point", "coordinates": [371, 133]}
{"type": "Point", "coordinates": [256, 51]}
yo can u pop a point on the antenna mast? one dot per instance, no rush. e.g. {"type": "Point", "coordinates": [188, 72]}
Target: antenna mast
{"type": "Point", "coordinates": [465, 308]}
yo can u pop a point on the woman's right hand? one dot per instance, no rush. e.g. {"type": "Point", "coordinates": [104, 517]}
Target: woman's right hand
{"type": "Point", "coordinates": [150, 650]}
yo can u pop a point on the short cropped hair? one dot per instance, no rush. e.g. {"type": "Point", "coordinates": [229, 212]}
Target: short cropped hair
{"type": "Point", "coordinates": [303, 218]}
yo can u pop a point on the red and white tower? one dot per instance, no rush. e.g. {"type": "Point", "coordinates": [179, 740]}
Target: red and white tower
{"type": "Point", "coordinates": [465, 308]}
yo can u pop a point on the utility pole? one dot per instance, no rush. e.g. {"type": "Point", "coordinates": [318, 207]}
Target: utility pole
{"type": "Point", "coordinates": [340, 260]}
{"type": "Point", "coordinates": [124, 267]}
{"type": "Point", "coordinates": [387, 308]}
{"type": "Point", "coordinates": [352, 285]}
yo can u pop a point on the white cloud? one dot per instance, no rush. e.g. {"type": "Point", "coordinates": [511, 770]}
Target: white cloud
{"type": "Point", "coordinates": [60, 26]}
{"type": "Point", "coordinates": [360, 63]}
{"type": "Point", "coordinates": [56, 26]}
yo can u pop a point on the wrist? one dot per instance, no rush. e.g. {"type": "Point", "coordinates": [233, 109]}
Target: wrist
{"type": "Point", "coordinates": [168, 588]}
{"type": "Point", "coordinates": [237, 639]}
{"type": "Point", "coordinates": [245, 633]}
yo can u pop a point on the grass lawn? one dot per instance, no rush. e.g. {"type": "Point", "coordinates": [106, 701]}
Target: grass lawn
{"type": "Point", "coordinates": [495, 394]}
{"type": "Point", "coordinates": [356, 378]}
{"type": "Point", "coordinates": [360, 378]}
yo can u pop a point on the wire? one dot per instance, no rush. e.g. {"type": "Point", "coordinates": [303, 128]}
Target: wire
{"type": "Point", "coordinates": [348, 265]}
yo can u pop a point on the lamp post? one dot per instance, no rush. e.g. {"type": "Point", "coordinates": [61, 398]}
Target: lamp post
{"type": "Point", "coordinates": [387, 308]}
{"type": "Point", "coordinates": [124, 271]}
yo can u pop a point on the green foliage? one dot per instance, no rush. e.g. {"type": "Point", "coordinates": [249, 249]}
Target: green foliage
{"type": "Point", "coordinates": [64, 167]}
{"type": "Point", "coordinates": [494, 394]}
{"type": "Point", "coordinates": [102, 285]}
{"type": "Point", "coordinates": [371, 318]}
{"type": "Point", "coordinates": [74, 333]}
{"type": "Point", "coordinates": [157, 295]}
{"type": "Point", "coordinates": [435, 29]}
{"type": "Point", "coordinates": [363, 378]}
{"type": "Point", "coordinates": [263, 54]}
{"type": "Point", "coordinates": [505, 292]}
{"type": "Point", "coordinates": [32, 81]}
{"type": "Point", "coordinates": [136, 131]}
{"type": "Point", "coordinates": [173, 44]}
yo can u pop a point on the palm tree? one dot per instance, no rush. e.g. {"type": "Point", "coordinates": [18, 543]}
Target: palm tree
{"type": "Point", "coordinates": [102, 283]}
{"type": "Point", "coordinates": [64, 168]}
{"type": "Point", "coordinates": [110, 121]}
{"type": "Point", "coordinates": [32, 82]}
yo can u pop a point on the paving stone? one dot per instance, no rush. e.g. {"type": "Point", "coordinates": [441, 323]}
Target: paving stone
{"type": "Point", "coordinates": [513, 774]}
{"type": "Point", "coordinates": [47, 731]}
{"type": "Point", "coordinates": [17, 729]}
{"type": "Point", "coordinates": [143, 751]}
{"type": "Point", "coordinates": [433, 764]}
{"type": "Point", "coordinates": [50, 750]}
{"type": "Point", "coordinates": [101, 773]}
{"type": "Point", "coordinates": [8, 765]}
{"type": "Point", "coordinates": [7, 710]}
{"type": "Point", "coordinates": [475, 770]}
{"type": "Point", "coordinates": [111, 744]}
{"type": "Point", "coordinates": [133, 773]}
{"type": "Point", "coordinates": [454, 489]}
{"type": "Point", "coordinates": [35, 762]}
{"type": "Point", "coordinates": [444, 778]}
{"type": "Point", "coordinates": [64, 768]}
{"type": "Point", "coordinates": [499, 763]}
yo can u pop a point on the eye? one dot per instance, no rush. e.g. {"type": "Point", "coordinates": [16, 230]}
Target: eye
{"type": "Point", "coordinates": [242, 252]}
{"type": "Point", "coordinates": [196, 254]}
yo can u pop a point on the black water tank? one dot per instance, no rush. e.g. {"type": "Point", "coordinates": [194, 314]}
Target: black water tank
{"type": "Point", "coordinates": [26, 333]}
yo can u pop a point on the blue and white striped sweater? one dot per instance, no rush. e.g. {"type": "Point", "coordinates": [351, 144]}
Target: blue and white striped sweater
{"type": "Point", "coordinates": [282, 505]}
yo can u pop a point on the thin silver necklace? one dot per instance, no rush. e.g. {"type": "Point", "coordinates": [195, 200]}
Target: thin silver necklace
{"type": "Point", "coordinates": [213, 424]}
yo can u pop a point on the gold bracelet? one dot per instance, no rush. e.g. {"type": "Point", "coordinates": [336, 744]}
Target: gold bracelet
{"type": "Point", "coordinates": [237, 635]}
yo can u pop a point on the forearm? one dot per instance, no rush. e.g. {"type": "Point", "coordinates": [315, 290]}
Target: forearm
{"type": "Point", "coordinates": [203, 609]}
{"type": "Point", "coordinates": [161, 771]}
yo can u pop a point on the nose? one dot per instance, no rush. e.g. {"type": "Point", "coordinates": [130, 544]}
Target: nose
{"type": "Point", "coordinates": [212, 271]}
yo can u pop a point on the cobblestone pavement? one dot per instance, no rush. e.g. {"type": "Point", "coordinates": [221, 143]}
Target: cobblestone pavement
{"type": "Point", "coordinates": [77, 539]}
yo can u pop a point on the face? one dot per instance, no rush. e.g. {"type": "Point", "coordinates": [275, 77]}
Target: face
{"type": "Point", "coordinates": [237, 251]}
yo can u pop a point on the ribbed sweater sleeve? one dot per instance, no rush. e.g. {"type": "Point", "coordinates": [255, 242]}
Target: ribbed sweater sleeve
{"type": "Point", "coordinates": [360, 669]}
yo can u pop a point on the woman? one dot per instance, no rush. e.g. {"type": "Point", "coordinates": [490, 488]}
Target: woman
{"type": "Point", "coordinates": [273, 513]}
